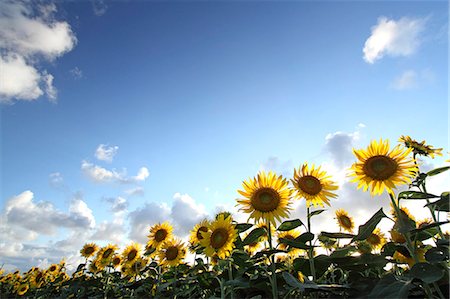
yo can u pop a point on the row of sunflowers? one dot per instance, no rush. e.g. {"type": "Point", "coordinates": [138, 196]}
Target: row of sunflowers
{"type": "Point", "coordinates": [262, 260]}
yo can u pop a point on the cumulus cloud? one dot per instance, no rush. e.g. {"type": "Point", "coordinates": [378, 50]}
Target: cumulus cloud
{"type": "Point", "coordinates": [280, 167]}
{"type": "Point", "coordinates": [105, 152]}
{"type": "Point", "coordinates": [99, 174]}
{"type": "Point", "coordinates": [118, 204]}
{"type": "Point", "coordinates": [142, 218]}
{"type": "Point", "coordinates": [339, 146]}
{"type": "Point", "coordinates": [30, 34]}
{"type": "Point", "coordinates": [394, 38]}
{"type": "Point", "coordinates": [185, 213]}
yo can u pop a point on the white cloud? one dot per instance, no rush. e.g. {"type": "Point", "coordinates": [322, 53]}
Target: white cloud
{"type": "Point", "coordinates": [29, 33]}
{"type": "Point", "coordinates": [106, 152]}
{"type": "Point", "coordinates": [339, 146]}
{"type": "Point", "coordinates": [99, 7]}
{"type": "Point", "coordinates": [280, 167]}
{"type": "Point", "coordinates": [138, 191]}
{"type": "Point", "coordinates": [185, 213]}
{"type": "Point", "coordinates": [143, 218]}
{"type": "Point", "coordinates": [76, 73]}
{"type": "Point", "coordinates": [56, 179]}
{"type": "Point", "coordinates": [102, 175]}
{"type": "Point", "coordinates": [393, 38]}
{"type": "Point", "coordinates": [407, 80]}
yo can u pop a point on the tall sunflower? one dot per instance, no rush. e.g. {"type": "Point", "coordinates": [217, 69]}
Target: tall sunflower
{"type": "Point", "coordinates": [266, 197]}
{"type": "Point", "coordinates": [420, 148]}
{"type": "Point", "coordinates": [131, 253]}
{"type": "Point", "coordinates": [196, 232]}
{"type": "Point", "coordinates": [172, 252]}
{"type": "Point", "coordinates": [220, 237]}
{"type": "Point", "coordinates": [344, 220]}
{"type": "Point", "coordinates": [314, 185]}
{"type": "Point", "coordinates": [89, 250]}
{"type": "Point", "coordinates": [159, 233]}
{"type": "Point", "coordinates": [380, 169]}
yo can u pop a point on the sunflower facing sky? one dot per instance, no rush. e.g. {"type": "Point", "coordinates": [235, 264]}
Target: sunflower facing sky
{"type": "Point", "coordinates": [89, 250]}
{"type": "Point", "coordinates": [131, 253]}
{"type": "Point", "coordinates": [172, 252]}
{"type": "Point", "coordinates": [220, 237]}
{"type": "Point", "coordinates": [344, 220]}
{"type": "Point", "coordinates": [379, 169]}
{"type": "Point", "coordinates": [159, 233]}
{"type": "Point", "coordinates": [314, 185]}
{"type": "Point", "coordinates": [267, 197]}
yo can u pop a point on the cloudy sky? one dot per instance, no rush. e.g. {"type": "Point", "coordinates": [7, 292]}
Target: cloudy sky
{"type": "Point", "coordinates": [117, 115]}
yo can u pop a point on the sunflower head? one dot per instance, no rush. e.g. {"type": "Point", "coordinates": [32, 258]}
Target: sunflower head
{"type": "Point", "coordinates": [376, 240]}
{"type": "Point", "coordinates": [344, 220]}
{"type": "Point", "coordinates": [131, 252]}
{"type": "Point", "coordinates": [53, 269]}
{"type": "Point", "coordinates": [105, 255]}
{"type": "Point", "coordinates": [159, 233]}
{"type": "Point", "coordinates": [22, 289]}
{"type": "Point", "coordinates": [220, 237]}
{"type": "Point", "coordinates": [326, 242]}
{"type": "Point", "coordinates": [89, 250]}
{"type": "Point", "coordinates": [134, 269]}
{"type": "Point", "coordinates": [378, 168]}
{"type": "Point", "coordinates": [402, 255]}
{"type": "Point", "coordinates": [420, 148]}
{"type": "Point", "coordinates": [267, 197]}
{"type": "Point", "coordinates": [116, 261]}
{"type": "Point", "coordinates": [314, 185]}
{"type": "Point", "coordinates": [196, 232]}
{"type": "Point", "coordinates": [265, 236]}
{"type": "Point", "coordinates": [289, 235]}
{"type": "Point", "coordinates": [172, 252]}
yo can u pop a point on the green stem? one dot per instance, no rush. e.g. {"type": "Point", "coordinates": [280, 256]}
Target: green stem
{"type": "Point", "coordinates": [310, 250]}
{"type": "Point", "coordinates": [272, 260]}
{"type": "Point", "coordinates": [230, 277]}
{"type": "Point", "coordinates": [222, 289]}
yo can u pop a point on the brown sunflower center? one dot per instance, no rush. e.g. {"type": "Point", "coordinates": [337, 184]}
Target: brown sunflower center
{"type": "Point", "coordinates": [265, 200]}
{"type": "Point", "coordinates": [160, 235]}
{"type": "Point", "coordinates": [132, 254]}
{"type": "Point", "coordinates": [218, 238]}
{"type": "Point", "coordinates": [89, 250]}
{"type": "Point", "coordinates": [374, 239]}
{"type": "Point", "coordinates": [345, 221]}
{"type": "Point", "coordinates": [52, 268]}
{"type": "Point", "coordinates": [199, 232]}
{"type": "Point", "coordinates": [116, 261]}
{"type": "Point", "coordinates": [380, 167]}
{"type": "Point", "coordinates": [310, 184]}
{"type": "Point", "coordinates": [171, 253]}
{"type": "Point", "coordinates": [107, 253]}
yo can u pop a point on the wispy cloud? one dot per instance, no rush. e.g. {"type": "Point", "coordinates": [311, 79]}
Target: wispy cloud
{"type": "Point", "coordinates": [99, 7]}
{"type": "Point", "coordinates": [102, 175]}
{"type": "Point", "coordinates": [76, 73]}
{"type": "Point", "coordinates": [411, 79]}
{"type": "Point", "coordinates": [394, 38]}
{"type": "Point", "coordinates": [30, 34]}
{"type": "Point", "coordinates": [106, 152]}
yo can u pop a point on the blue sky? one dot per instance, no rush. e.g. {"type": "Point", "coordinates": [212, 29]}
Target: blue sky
{"type": "Point", "coordinates": [202, 95]}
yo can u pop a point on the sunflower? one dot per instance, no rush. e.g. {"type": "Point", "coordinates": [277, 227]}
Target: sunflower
{"type": "Point", "coordinates": [405, 214]}
{"type": "Point", "coordinates": [424, 222]}
{"type": "Point", "coordinates": [253, 248]}
{"type": "Point", "coordinates": [403, 256]}
{"type": "Point", "coordinates": [289, 235]}
{"type": "Point", "coordinates": [420, 148]}
{"type": "Point", "coordinates": [266, 197]}
{"type": "Point", "coordinates": [105, 255]}
{"type": "Point", "coordinates": [265, 236]}
{"type": "Point", "coordinates": [53, 269]}
{"type": "Point", "coordinates": [220, 237]}
{"type": "Point", "coordinates": [379, 168]}
{"type": "Point", "coordinates": [344, 220]}
{"type": "Point", "coordinates": [131, 253]}
{"type": "Point", "coordinates": [196, 235]}
{"type": "Point", "coordinates": [377, 239]}
{"type": "Point", "coordinates": [396, 236]}
{"type": "Point", "coordinates": [22, 289]}
{"type": "Point", "coordinates": [314, 185]}
{"type": "Point", "coordinates": [134, 269]}
{"type": "Point", "coordinates": [159, 233]}
{"type": "Point", "coordinates": [89, 250]}
{"type": "Point", "coordinates": [172, 252]}
{"type": "Point", "coordinates": [37, 278]}
{"type": "Point", "coordinates": [116, 261]}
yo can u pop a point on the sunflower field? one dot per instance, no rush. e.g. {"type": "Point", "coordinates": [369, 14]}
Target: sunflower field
{"type": "Point", "coordinates": [273, 256]}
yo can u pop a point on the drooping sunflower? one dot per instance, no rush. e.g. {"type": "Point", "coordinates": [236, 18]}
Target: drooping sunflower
{"type": "Point", "coordinates": [314, 185]}
{"type": "Point", "coordinates": [267, 197]}
{"type": "Point", "coordinates": [131, 253]}
{"type": "Point", "coordinates": [172, 252]}
{"type": "Point", "coordinates": [220, 237]}
{"type": "Point", "coordinates": [89, 250]}
{"type": "Point", "coordinates": [376, 240]}
{"type": "Point", "coordinates": [344, 220]}
{"type": "Point", "coordinates": [196, 235]}
{"type": "Point", "coordinates": [159, 233]}
{"type": "Point", "coordinates": [380, 169]}
{"type": "Point", "coordinates": [420, 148]}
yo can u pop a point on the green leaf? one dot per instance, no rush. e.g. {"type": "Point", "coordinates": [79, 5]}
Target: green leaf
{"type": "Point", "coordinates": [365, 230]}
{"type": "Point", "coordinates": [415, 195]}
{"type": "Point", "coordinates": [344, 251]}
{"type": "Point", "coordinates": [442, 204]}
{"type": "Point", "coordinates": [316, 212]}
{"type": "Point", "coordinates": [254, 235]}
{"type": "Point", "coordinates": [305, 237]}
{"type": "Point", "coordinates": [437, 254]}
{"type": "Point", "coordinates": [294, 243]}
{"type": "Point", "coordinates": [292, 281]}
{"type": "Point", "coordinates": [426, 232]}
{"type": "Point", "coordinates": [290, 224]}
{"type": "Point", "coordinates": [390, 287]}
{"type": "Point", "coordinates": [337, 235]}
{"type": "Point", "coordinates": [437, 170]}
{"type": "Point", "coordinates": [268, 253]}
{"type": "Point", "coordinates": [426, 272]}
{"type": "Point", "coordinates": [242, 227]}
